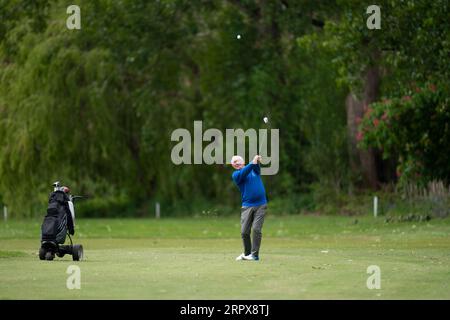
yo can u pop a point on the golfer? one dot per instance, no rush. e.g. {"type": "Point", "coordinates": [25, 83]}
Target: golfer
{"type": "Point", "coordinates": [254, 204]}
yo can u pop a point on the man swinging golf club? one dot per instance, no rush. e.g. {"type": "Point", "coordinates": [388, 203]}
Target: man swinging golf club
{"type": "Point", "coordinates": [254, 204]}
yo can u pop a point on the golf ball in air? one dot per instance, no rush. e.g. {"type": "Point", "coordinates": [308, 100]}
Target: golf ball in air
{"type": "Point", "coordinates": [266, 119]}
{"type": "Point", "coordinates": [238, 36]}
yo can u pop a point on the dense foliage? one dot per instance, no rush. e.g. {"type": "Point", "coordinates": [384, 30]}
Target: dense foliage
{"type": "Point", "coordinates": [414, 128]}
{"type": "Point", "coordinates": [95, 107]}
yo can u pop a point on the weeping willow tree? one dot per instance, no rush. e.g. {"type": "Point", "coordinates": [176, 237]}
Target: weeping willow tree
{"type": "Point", "coordinates": [93, 108]}
{"type": "Point", "coordinates": [62, 113]}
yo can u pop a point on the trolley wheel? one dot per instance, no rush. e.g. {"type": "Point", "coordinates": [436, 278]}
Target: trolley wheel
{"type": "Point", "coordinates": [42, 254]}
{"type": "Point", "coordinates": [77, 252]}
{"type": "Point", "coordinates": [49, 256]}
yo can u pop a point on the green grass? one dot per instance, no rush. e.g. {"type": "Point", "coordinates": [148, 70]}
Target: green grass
{"type": "Point", "coordinates": [12, 254]}
{"type": "Point", "coordinates": [302, 257]}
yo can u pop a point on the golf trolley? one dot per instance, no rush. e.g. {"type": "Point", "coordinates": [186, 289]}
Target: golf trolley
{"type": "Point", "coordinates": [59, 223]}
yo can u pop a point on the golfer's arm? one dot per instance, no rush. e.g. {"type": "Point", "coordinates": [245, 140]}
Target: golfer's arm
{"type": "Point", "coordinates": [257, 169]}
{"type": "Point", "coordinates": [240, 175]}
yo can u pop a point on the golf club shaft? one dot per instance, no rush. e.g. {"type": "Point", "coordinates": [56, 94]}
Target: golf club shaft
{"type": "Point", "coordinates": [264, 143]}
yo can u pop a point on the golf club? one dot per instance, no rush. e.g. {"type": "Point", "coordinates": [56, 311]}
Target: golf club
{"type": "Point", "coordinates": [261, 145]}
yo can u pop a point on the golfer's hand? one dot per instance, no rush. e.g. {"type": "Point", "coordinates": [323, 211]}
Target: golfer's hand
{"type": "Point", "coordinates": [256, 159]}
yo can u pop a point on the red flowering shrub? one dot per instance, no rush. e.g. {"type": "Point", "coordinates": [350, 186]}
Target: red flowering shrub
{"type": "Point", "coordinates": [415, 129]}
{"type": "Point", "coordinates": [376, 122]}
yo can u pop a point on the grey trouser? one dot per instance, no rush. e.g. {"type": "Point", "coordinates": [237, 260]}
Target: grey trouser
{"type": "Point", "coordinates": [252, 218]}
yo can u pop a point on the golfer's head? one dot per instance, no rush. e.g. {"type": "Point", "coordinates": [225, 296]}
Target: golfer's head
{"type": "Point", "coordinates": [237, 162]}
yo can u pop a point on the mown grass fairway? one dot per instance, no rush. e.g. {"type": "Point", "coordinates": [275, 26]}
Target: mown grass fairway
{"type": "Point", "coordinates": [302, 257]}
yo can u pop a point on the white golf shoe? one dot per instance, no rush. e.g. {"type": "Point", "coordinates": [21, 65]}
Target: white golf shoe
{"type": "Point", "coordinates": [241, 257]}
{"type": "Point", "coordinates": [250, 257]}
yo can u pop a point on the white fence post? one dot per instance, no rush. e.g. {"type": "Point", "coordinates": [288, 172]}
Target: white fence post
{"type": "Point", "coordinates": [157, 210]}
{"type": "Point", "coordinates": [375, 206]}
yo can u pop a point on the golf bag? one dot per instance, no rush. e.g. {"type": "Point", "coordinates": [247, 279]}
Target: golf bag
{"type": "Point", "coordinates": [58, 222]}
{"type": "Point", "coordinates": [58, 219]}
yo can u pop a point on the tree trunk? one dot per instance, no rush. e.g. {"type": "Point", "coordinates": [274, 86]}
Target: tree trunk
{"type": "Point", "coordinates": [363, 161]}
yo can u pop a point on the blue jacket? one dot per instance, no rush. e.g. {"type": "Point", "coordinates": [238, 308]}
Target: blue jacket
{"type": "Point", "coordinates": [248, 179]}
